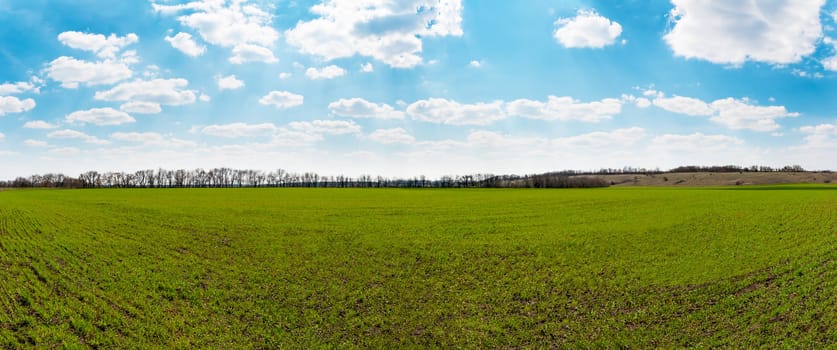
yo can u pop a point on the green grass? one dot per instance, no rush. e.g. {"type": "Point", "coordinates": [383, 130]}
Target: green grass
{"type": "Point", "coordinates": [302, 268]}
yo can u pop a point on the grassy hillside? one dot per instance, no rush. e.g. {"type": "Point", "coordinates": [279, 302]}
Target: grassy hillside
{"type": "Point", "coordinates": [641, 267]}
{"type": "Point", "coordinates": [719, 179]}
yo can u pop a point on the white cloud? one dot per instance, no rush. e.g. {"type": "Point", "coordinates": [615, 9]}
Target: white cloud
{"type": "Point", "coordinates": [443, 111]}
{"type": "Point", "coordinates": [329, 72]}
{"type": "Point", "coordinates": [829, 63]}
{"type": "Point", "coordinates": [17, 88]}
{"type": "Point", "coordinates": [367, 67]}
{"type": "Point", "coordinates": [71, 72]}
{"type": "Point", "coordinates": [104, 47]}
{"type": "Point", "coordinates": [587, 29]}
{"type": "Point", "coordinates": [733, 32]}
{"type": "Point", "coordinates": [475, 64]}
{"type": "Point", "coordinates": [643, 102]}
{"type": "Point", "coordinates": [285, 137]}
{"type": "Point", "coordinates": [484, 139]}
{"type": "Point", "coordinates": [100, 116]}
{"type": "Point", "coordinates": [820, 136]}
{"type": "Point", "coordinates": [229, 83]}
{"type": "Point", "coordinates": [695, 142]}
{"type": "Point", "coordinates": [388, 31]}
{"type": "Point", "coordinates": [64, 151]}
{"type": "Point", "coordinates": [245, 53]}
{"type": "Point", "coordinates": [169, 92]}
{"type": "Point", "coordinates": [740, 114]}
{"type": "Point", "coordinates": [282, 99]}
{"type": "Point", "coordinates": [735, 114]}
{"type": "Point", "coordinates": [236, 130]}
{"type": "Point", "coordinates": [2, 136]}
{"type": "Point", "coordinates": [141, 107]}
{"type": "Point", "coordinates": [327, 127]}
{"type": "Point", "coordinates": [684, 105]}
{"type": "Point", "coordinates": [494, 140]}
{"type": "Point", "coordinates": [35, 143]}
{"type": "Point", "coordinates": [187, 45]}
{"type": "Point", "coordinates": [77, 135]}
{"type": "Point", "coordinates": [391, 136]}
{"type": "Point", "coordinates": [239, 25]}
{"type": "Point", "coordinates": [565, 108]}
{"type": "Point", "coordinates": [39, 124]}
{"type": "Point", "coordinates": [360, 108]}
{"type": "Point", "coordinates": [555, 108]}
{"type": "Point", "coordinates": [11, 104]}
{"type": "Point", "coordinates": [285, 75]}
{"type": "Point", "coordinates": [600, 139]}
{"type": "Point", "coordinates": [136, 136]}
{"type": "Point", "coordinates": [150, 139]}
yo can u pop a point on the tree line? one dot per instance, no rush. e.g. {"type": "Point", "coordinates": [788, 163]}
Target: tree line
{"type": "Point", "coordinates": [234, 178]}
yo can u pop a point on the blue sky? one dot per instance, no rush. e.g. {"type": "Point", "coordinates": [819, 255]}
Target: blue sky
{"type": "Point", "coordinates": [414, 87]}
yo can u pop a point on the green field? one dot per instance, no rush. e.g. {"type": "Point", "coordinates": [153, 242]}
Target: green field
{"type": "Point", "coordinates": [302, 268]}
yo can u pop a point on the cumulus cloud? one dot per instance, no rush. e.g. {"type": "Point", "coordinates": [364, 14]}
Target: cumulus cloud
{"type": "Point", "coordinates": [485, 139]}
{"type": "Point", "coordinates": [229, 83]}
{"type": "Point", "coordinates": [187, 45]}
{"type": "Point", "coordinates": [640, 102]}
{"type": "Point", "coordinates": [820, 136]}
{"type": "Point", "coordinates": [391, 136]}
{"type": "Point", "coordinates": [587, 29]}
{"type": "Point", "coordinates": [327, 127]}
{"type": "Point", "coordinates": [77, 135]}
{"type": "Point", "coordinates": [443, 111]}
{"type": "Point", "coordinates": [64, 151]}
{"type": "Point", "coordinates": [298, 133]}
{"type": "Point", "coordinates": [35, 143]}
{"type": "Point", "coordinates": [695, 142]}
{"type": "Point", "coordinates": [100, 116]}
{"type": "Point", "coordinates": [71, 72]}
{"type": "Point", "coordinates": [282, 99]}
{"type": "Point", "coordinates": [328, 72]}
{"type": "Point", "coordinates": [388, 31]}
{"type": "Point", "coordinates": [367, 67]}
{"type": "Point", "coordinates": [491, 139]}
{"type": "Point", "coordinates": [39, 124]}
{"type": "Point", "coordinates": [150, 139]}
{"type": "Point", "coordinates": [829, 63]}
{"type": "Point", "coordinates": [244, 53]}
{"type": "Point", "coordinates": [741, 114]}
{"type": "Point", "coordinates": [102, 46]}
{"type": "Point", "coordinates": [360, 108]}
{"type": "Point", "coordinates": [236, 130]}
{"type": "Point", "coordinates": [141, 107]}
{"type": "Point", "coordinates": [565, 109]}
{"type": "Point", "coordinates": [242, 26]}
{"type": "Point", "coordinates": [614, 138]}
{"type": "Point", "coordinates": [11, 104]}
{"type": "Point", "coordinates": [735, 114]}
{"type": "Point", "coordinates": [684, 105]}
{"type": "Point", "coordinates": [169, 92]}
{"type": "Point", "coordinates": [18, 88]}
{"type": "Point", "coordinates": [733, 32]}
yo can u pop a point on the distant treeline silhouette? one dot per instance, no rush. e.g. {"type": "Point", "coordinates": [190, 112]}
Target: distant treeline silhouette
{"type": "Point", "coordinates": [227, 178]}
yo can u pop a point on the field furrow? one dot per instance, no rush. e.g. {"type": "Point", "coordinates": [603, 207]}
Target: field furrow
{"type": "Point", "coordinates": [279, 268]}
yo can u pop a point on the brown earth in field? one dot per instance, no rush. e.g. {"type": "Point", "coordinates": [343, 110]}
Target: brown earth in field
{"type": "Point", "coordinates": [719, 179]}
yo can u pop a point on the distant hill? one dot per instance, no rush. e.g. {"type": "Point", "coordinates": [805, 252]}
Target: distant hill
{"type": "Point", "coordinates": [686, 179]}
